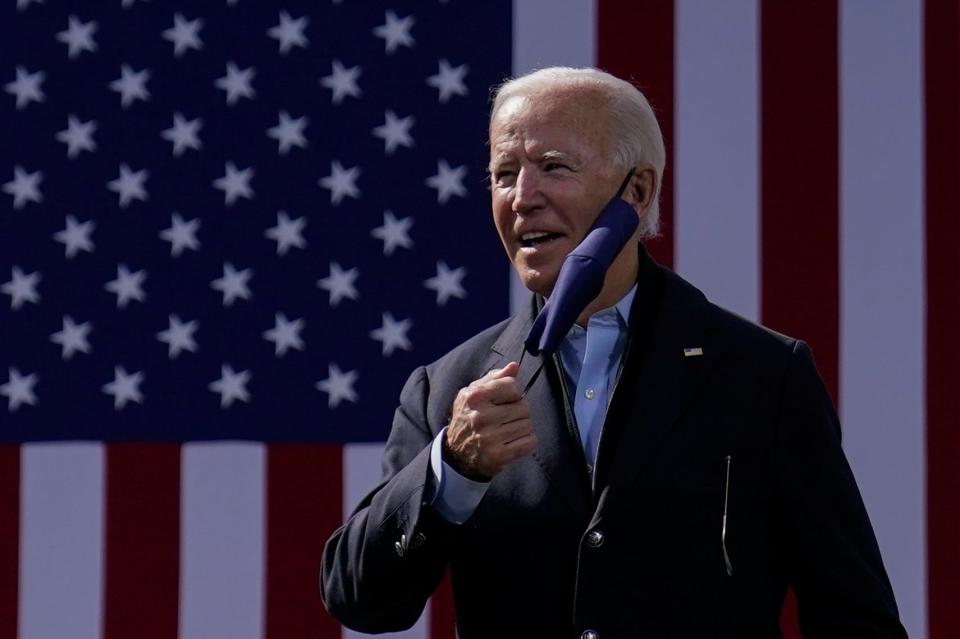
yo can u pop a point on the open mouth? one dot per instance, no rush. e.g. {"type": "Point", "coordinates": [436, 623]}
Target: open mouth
{"type": "Point", "coordinates": [537, 238]}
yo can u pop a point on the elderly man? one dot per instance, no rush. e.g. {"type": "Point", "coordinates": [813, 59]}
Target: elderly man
{"type": "Point", "coordinates": [674, 470]}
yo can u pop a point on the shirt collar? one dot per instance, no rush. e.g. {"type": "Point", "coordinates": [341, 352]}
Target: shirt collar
{"type": "Point", "coordinates": [625, 304]}
{"type": "Point", "coordinates": [608, 315]}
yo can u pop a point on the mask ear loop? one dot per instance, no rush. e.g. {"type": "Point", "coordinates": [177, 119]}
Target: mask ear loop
{"type": "Point", "coordinates": [626, 181]}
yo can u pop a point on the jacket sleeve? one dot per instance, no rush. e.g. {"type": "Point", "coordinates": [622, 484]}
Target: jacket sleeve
{"type": "Point", "coordinates": [831, 555]}
{"type": "Point", "coordinates": [379, 568]}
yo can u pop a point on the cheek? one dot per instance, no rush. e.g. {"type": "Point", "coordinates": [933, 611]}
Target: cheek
{"type": "Point", "coordinates": [503, 218]}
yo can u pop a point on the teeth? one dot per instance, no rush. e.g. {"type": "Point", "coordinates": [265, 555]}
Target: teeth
{"type": "Point", "coordinates": [529, 237]}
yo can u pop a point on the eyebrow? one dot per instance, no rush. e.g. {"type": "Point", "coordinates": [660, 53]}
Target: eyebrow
{"type": "Point", "coordinates": [546, 156]}
{"type": "Point", "coordinates": [560, 155]}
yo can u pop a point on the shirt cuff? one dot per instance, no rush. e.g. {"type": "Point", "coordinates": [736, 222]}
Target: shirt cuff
{"type": "Point", "coordinates": [455, 497]}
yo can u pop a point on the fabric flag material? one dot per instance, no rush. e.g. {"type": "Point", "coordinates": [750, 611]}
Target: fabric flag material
{"type": "Point", "coordinates": [175, 454]}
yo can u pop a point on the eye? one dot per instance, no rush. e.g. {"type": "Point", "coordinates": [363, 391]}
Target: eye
{"type": "Point", "coordinates": [555, 166]}
{"type": "Point", "coordinates": [504, 177]}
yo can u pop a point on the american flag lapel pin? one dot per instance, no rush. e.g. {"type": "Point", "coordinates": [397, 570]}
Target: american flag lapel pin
{"type": "Point", "coordinates": [693, 352]}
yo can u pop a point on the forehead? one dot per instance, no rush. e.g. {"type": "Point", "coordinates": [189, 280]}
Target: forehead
{"type": "Point", "coordinates": [560, 120]}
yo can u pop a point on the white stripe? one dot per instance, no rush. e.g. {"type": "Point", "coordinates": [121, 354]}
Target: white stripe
{"type": "Point", "coordinates": [222, 541]}
{"type": "Point", "coordinates": [548, 33]}
{"type": "Point", "coordinates": [61, 541]}
{"type": "Point", "coordinates": [882, 285]}
{"type": "Point", "coordinates": [716, 163]}
{"type": "Point", "coordinates": [361, 473]}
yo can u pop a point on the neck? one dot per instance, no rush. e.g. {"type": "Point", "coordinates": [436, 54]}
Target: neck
{"type": "Point", "coordinates": [621, 276]}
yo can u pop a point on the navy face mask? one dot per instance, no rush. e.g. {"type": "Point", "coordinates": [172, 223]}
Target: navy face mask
{"type": "Point", "coordinates": [581, 275]}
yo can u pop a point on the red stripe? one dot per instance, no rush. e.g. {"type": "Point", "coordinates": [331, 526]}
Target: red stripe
{"type": "Point", "coordinates": [442, 615]}
{"type": "Point", "coordinates": [942, 58]}
{"type": "Point", "coordinates": [304, 507]}
{"type": "Point", "coordinates": [635, 42]}
{"type": "Point", "coordinates": [142, 580]}
{"type": "Point", "coordinates": [799, 184]}
{"type": "Point", "coordinates": [9, 539]}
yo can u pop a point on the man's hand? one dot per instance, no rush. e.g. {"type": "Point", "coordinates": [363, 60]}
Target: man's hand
{"type": "Point", "coordinates": [490, 426]}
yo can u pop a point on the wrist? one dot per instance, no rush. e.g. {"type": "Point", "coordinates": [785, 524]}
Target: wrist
{"type": "Point", "coordinates": [451, 459]}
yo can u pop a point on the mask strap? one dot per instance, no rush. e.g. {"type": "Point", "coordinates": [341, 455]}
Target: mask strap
{"type": "Point", "coordinates": [623, 185]}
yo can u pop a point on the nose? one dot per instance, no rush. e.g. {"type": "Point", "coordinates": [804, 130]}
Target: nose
{"type": "Point", "coordinates": [527, 194]}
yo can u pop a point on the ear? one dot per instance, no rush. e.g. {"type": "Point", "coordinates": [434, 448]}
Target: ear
{"type": "Point", "coordinates": [640, 192]}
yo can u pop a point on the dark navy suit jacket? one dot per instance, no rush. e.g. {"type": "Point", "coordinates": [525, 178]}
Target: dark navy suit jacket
{"type": "Point", "coordinates": [528, 562]}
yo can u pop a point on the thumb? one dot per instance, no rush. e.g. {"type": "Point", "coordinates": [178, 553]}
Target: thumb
{"type": "Point", "coordinates": [510, 370]}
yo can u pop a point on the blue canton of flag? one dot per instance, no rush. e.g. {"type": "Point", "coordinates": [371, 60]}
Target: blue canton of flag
{"type": "Point", "coordinates": [246, 220]}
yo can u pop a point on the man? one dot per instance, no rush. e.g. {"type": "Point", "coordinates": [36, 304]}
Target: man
{"type": "Point", "coordinates": [671, 473]}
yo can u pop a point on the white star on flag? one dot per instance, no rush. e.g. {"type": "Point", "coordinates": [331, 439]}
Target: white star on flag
{"type": "Point", "coordinates": [342, 81]}
{"type": "Point", "coordinates": [289, 132]}
{"type": "Point", "coordinates": [131, 85]}
{"type": "Point", "coordinates": [447, 283]}
{"type": "Point", "coordinates": [184, 34]}
{"type": "Point", "coordinates": [285, 334]}
{"type": "Point", "coordinates": [26, 87]}
{"type": "Point", "coordinates": [449, 80]}
{"type": "Point", "coordinates": [341, 182]}
{"type": "Point", "coordinates": [178, 336]}
{"type": "Point", "coordinates": [395, 132]}
{"type": "Point", "coordinates": [181, 235]}
{"type": "Point", "coordinates": [394, 233]}
{"type": "Point", "coordinates": [128, 286]}
{"type": "Point", "coordinates": [183, 134]}
{"type": "Point", "coordinates": [448, 181]}
{"type": "Point", "coordinates": [233, 284]}
{"type": "Point", "coordinates": [78, 136]}
{"type": "Point", "coordinates": [393, 334]}
{"type": "Point", "coordinates": [289, 32]}
{"type": "Point", "coordinates": [235, 183]}
{"type": "Point", "coordinates": [78, 36]}
{"type": "Point", "coordinates": [395, 31]}
{"type": "Point", "coordinates": [231, 386]}
{"type": "Point", "coordinates": [338, 386]}
{"type": "Point", "coordinates": [72, 338]}
{"type": "Point", "coordinates": [129, 185]}
{"type": "Point", "coordinates": [237, 83]}
{"type": "Point", "coordinates": [25, 187]}
{"type": "Point", "coordinates": [287, 232]}
{"type": "Point", "coordinates": [22, 287]}
{"type": "Point", "coordinates": [124, 387]}
{"type": "Point", "coordinates": [340, 283]}
{"type": "Point", "coordinates": [76, 237]}
{"type": "Point", "coordinates": [19, 389]}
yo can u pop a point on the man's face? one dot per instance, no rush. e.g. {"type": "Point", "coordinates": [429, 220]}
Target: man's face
{"type": "Point", "coordinates": [551, 174]}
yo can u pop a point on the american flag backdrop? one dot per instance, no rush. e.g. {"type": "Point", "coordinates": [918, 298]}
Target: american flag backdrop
{"type": "Point", "coordinates": [231, 229]}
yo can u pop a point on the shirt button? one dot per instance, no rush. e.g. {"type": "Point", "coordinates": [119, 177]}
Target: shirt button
{"type": "Point", "coordinates": [595, 539]}
{"type": "Point", "coordinates": [590, 634]}
{"type": "Point", "coordinates": [590, 393]}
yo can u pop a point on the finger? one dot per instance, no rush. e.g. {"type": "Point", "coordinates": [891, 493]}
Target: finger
{"type": "Point", "coordinates": [510, 370]}
{"type": "Point", "coordinates": [504, 390]}
{"type": "Point", "coordinates": [496, 416]}
{"type": "Point", "coordinates": [494, 373]}
{"type": "Point", "coordinates": [514, 430]}
{"type": "Point", "coordinates": [520, 447]}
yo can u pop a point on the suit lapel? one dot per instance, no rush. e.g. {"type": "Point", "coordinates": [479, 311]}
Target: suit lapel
{"type": "Point", "coordinates": [557, 453]}
{"type": "Point", "coordinates": [659, 381]}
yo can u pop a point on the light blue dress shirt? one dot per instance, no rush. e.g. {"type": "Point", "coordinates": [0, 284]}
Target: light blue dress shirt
{"type": "Point", "coordinates": [591, 359]}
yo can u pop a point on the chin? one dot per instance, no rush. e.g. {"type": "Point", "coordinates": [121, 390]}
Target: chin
{"type": "Point", "coordinates": [537, 281]}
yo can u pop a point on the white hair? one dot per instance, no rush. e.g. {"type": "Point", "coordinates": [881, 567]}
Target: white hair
{"type": "Point", "coordinates": [634, 131]}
